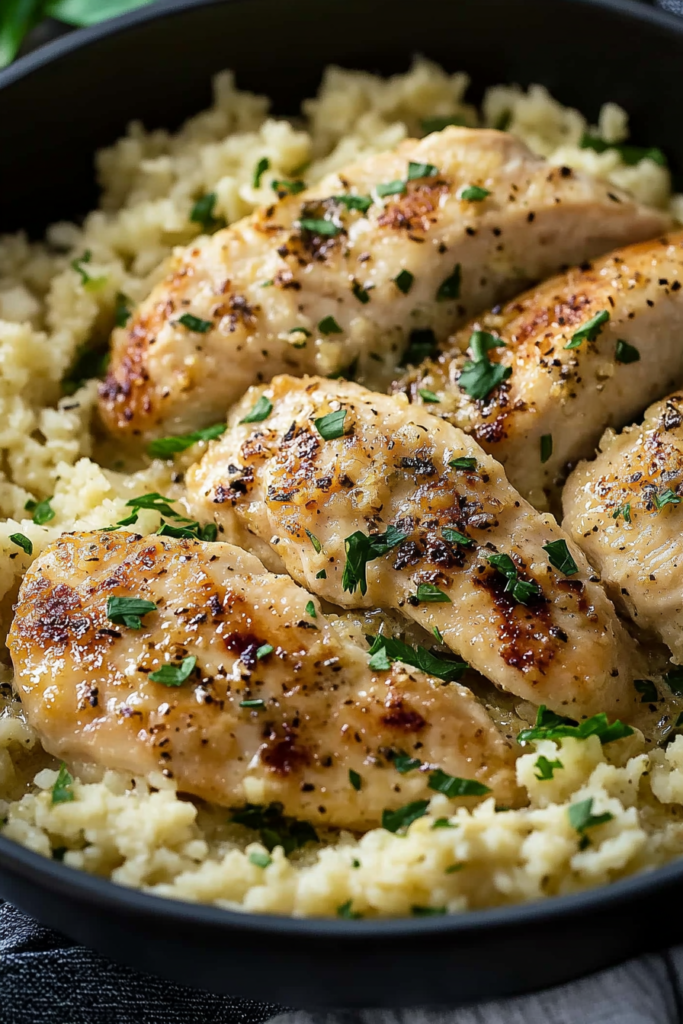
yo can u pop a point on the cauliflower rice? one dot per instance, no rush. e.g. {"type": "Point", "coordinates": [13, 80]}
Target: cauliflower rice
{"type": "Point", "coordinates": [59, 297]}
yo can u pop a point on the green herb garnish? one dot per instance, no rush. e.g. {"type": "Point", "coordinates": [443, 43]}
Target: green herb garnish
{"type": "Point", "coordinates": [174, 675]}
{"type": "Point", "coordinates": [391, 188]}
{"type": "Point", "coordinates": [317, 546]}
{"type": "Point", "coordinates": [260, 860]}
{"type": "Point", "coordinates": [630, 155]}
{"type": "Point", "coordinates": [274, 828]}
{"type": "Point", "coordinates": [626, 353]}
{"type": "Point", "coordinates": [560, 558]}
{"type": "Point", "coordinates": [479, 377]}
{"type": "Point", "coordinates": [667, 497]}
{"type": "Point", "coordinates": [437, 124]}
{"type": "Point", "coordinates": [590, 330]}
{"type": "Point", "coordinates": [166, 447]}
{"type": "Point", "coordinates": [417, 170]}
{"type": "Point", "coordinates": [62, 793]}
{"type": "Point", "coordinates": [344, 911]}
{"type": "Point", "coordinates": [463, 463]}
{"type": "Point", "coordinates": [361, 549]}
{"type": "Point", "coordinates": [546, 447]}
{"type": "Point", "coordinates": [427, 593]}
{"type": "Point", "coordinates": [91, 283]}
{"type": "Point", "coordinates": [126, 611]}
{"type": "Point", "coordinates": [422, 344]}
{"type": "Point", "coordinates": [404, 763]}
{"type": "Point", "coordinates": [310, 610]}
{"type": "Point", "coordinates": [550, 726]}
{"type": "Point", "coordinates": [473, 193]}
{"type": "Point", "coordinates": [450, 287]}
{"type": "Point", "coordinates": [455, 537]}
{"type": "Point", "coordinates": [331, 426]}
{"type": "Point", "coordinates": [202, 213]}
{"type": "Point", "coordinates": [392, 821]}
{"type": "Point", "coordinates": [195, 323]}
{"type": "Point", "coordinates": [41, 511]}
{"type": "Point", "coordinates": [546, 768]}
{"type": "Point", "coordinates": [362, 203]}
{"type": "Point", "coordinates": [260, 169]}
{"type": "Point", "coordinates": [419, 657]}
{"type": "Point", "coordinates": [674, 680]}
{"type": "Point", "coordinates": [521, 590]}
{"type": "Point", "coordinates": [260, 411]}
{"type": "Point", "coordinates": [263, 651]}
{"type": "Point", "coordinates": [122, 309]}
{"type": "Point", "coordinates": [623, 510]}
{"type": "Point", "coordinates": [360, 293]}
{"type": "Point", "coordinates": [404, 281]}
{"type": "Point", "coordinates": [320, 226]}
{"type": "Point", "coordinates": [581, 816]}
{"type": "Point", "coordinates": [22, 541]}
{"type": "Point", "coordinates": [322, 575]}
{"type": "Point", "coordinates": [328, 325]}
{"type": "Point", "coordinates": [256, 702]}
{"type": "Point", "coordinates": [355, 779]}
{"type": "Point", "coordinates": [451, 786]}
{"type": "Point", "coordinates": [428, 396]}
{"type": "Point", "coordinates": [288, 188]}
{"type": "Point", "coordinates": [418, 911]}
{"type": "Point", "coordinates": [647, 689]}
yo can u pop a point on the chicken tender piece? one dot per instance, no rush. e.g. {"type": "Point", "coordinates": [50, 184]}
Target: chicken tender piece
{"type": "Point", "coordinates": [625, 509]}
{"type": "Point", "coordinates": [565, 387]}
{"type": "Point", "coordinates": [369, 501]}
{"type": "Point", "coordinates": [385, 254]}
{"type": "Point", "coordinates": [263, 701]}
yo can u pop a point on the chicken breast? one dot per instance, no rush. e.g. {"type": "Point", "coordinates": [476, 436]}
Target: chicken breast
{"type": "Point", "coordinates": [385, 254]}
{"type": "Point", "coordinates": [583, 351]}
{"type": "Point", "coordinates": [371, 502]}
{"type": "Point", "coordinates": [260, 700]}
{"type": "Point", "coordinates": [625, 509]}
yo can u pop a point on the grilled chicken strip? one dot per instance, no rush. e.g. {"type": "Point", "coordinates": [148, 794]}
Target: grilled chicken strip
{"type": "Point", "coordinates": [276, 704]}
{"type": "Point", "coordinates": [556, 402]}
{"type": "Point", "coordinates": [321, 500]}
{"type": "Point", "coordinates": [345, 271]}
{"type": "Point", "coordinates": [626, 511]}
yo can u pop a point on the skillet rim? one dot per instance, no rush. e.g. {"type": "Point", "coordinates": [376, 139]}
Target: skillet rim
{"type": "Point", "coordinates": [71, 882]}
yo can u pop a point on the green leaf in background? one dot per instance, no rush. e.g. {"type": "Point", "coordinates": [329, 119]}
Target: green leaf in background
{"type": "Point", "coordinates": [90, 12]}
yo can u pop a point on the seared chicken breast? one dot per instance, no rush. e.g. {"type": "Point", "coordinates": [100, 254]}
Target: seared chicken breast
{"type": "Point", "coordinates": [397, 250]}
{"type": "Point", "coordinates": [583, 351]}
{"type": "Point", "coordinates": [232, 681]}
{"type": "Point", "coordinates": [369, 501]}
{"type": "Point", "coordinates": [625, 509]}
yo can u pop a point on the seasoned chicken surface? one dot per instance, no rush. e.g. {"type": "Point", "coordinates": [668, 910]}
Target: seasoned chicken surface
{"type": "Point", "coordinates": [625, 509]}
{"type": "Point", "coordinates": [564, 387]}
{"type": "Point", "coordinates": [273, 704]}
{"type": "Point", "coordinates": [369, 501]}
{"type": "Point", "coordinates": [387, 253]}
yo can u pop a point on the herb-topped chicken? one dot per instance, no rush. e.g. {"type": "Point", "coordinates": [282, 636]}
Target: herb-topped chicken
{"type": "Point", "coordinates": [371, 502]}
{"type": "Point", "coordinates": [625, 510]}
{"type": "Point", "coordinates": [147, 653]}
{"type": "Point", "coordinates": [389, 255]}
{"type": "Point", "coordinates": [537, 382]}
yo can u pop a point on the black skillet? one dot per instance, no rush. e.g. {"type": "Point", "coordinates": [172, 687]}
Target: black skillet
{"type": "Point", "coordinates": [56, 108]}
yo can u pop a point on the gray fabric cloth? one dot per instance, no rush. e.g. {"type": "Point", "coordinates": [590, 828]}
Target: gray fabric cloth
{"type": "Point", "coordinates": [46, 979]}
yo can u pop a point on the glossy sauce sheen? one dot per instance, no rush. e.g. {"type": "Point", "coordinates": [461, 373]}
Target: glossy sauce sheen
{"type": "Point", "coordinates": [277, 479]}
{"type": "Point", "coordinates": [256, 282]}
{"type": "Point", "coordinates": [85, 683]}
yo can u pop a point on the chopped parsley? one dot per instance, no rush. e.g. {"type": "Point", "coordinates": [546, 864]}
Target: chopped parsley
{"type": "Point", "coordinates": [581, 816]}
{"type": "Point", "coordinates": [455, 537]}
{"type": "Point", "coordinates": [427, 593]}
{"type": "Point", "coordinates": [331, 426]}
{"type": "Point", "coordinates": [257, 702]}
{"type": "Point", "coordinates": [479, 377]}
{"type": "Point", "coordinates": [320, 226]}
{"type": "Point", "coordinates": [429, 396]}
{"type": "Point", "coordinates": [473, 193]}
{"type": "Point", "coordinates": [674, 680]}
{"type": "Point", "coordinates": [463, 463]}
{"type": "Point", "coordinates": [417, 170]}
{"type": "Point", "coordinates": [344, 911]}
{"type": "Point", "coordinates": [192, 530]}
{"type": "Point", "coordinates": [451, 786]}
{"type": "Point", "coordinates": [404, 763]}
{"type": "Point", "coordinates": [419, 657]}
{"type": "Point", "coordinates": [22, 541]}
{"type": "Point", "coordinates": [361, 549]}
{"type": "Point", "coordinates": [322, 575]}
{"type": "Point", "coordinates": [418, 911]}
{"type": "Point", "coordinates": [546, 768]}
{"type": "Point", "coordinates": [422, 343]}
{"type": "Point", "coordinates": [647, 689]}
{"type": "Point", "coordinates": [288, 188]}
{"type": "Point", "coordinates": [89, 363]}
{"type": "Point", "coordinates": [379, 661]}
{"type": "Point", "coordinates": [154, 501]}
{"type": "Point", "coordinates": [391, 188]}
{"type": "Point", "coordinates": [522, 590]}
{"type": "Point", "coordinates": [360, 293]}
{"type": "Point", "coordinates": [667, 497]}
{"type": "Point", "coordinates": [260, 860]}
{"type": "Point", "coordinates": [62, 793]}
{"type": "Point", "coordinates": [443, 823]}
{"type": "Point", "coordinates": [263, 651]}
{"type": "Point", "coordinates": [590, 330]}
{"type": "Point", "coordinates": [89, 282]}
{"type": "Point", "coordinates": [630, 155]}
{"type": "Point", "coordinates": [550, 726]}
{"type": "Point", "coordinates": [310, 610]}
{"type": "Point", "coordinates": [624, 511]}
{"type": "Point", "coordinates": [626, 353]}
{"type": "Point", "coordinates": [560, 558]}
{"type": "Point", "coordinates": [260, 411]}
{"type": "Point", "coordinates": [546, 447]}
{"type": "Point", "coordinates": [404, 281]}
{"type": "Point", "coordinates": [362, 203]}
{"type": "Point", "coordinates": [195, 323]}
{"type": "Point", "coordinates": [438, 635]}
{"type": "Point", "coordinates": [175, 675]}
{"type": "Point", "coordinates": [41, 511]}
{"type": "Point", "coordinates": [437, 124]}
{"type": "Point", "coordinates": [202, 213]}
{"type": "Point", "coordinates": [122, 309]}
{"type": "Point", "coordinates": [274, 828]}
{"type": "Point", "coordinates": [355, 779]}
{"type": "Point", "coordinates": [126, 611]}
{"type": "Point", "coordinates": [317, 546]}
{"type": "Point", "coordinates": [450, 287]}
{"type": "Point", "coordinates": [392, 821]}
{"type": "Point", "coordinates": [167, 447]}
{"type": "Point", "coordinates": [260, 169]}
{"type": "Point", "coordinates": [328, 325]}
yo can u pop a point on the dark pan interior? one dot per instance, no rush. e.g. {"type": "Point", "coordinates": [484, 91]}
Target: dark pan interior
{"type": "Point", "coordinates": [56, 108]}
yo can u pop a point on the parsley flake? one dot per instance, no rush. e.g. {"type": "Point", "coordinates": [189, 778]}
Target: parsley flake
{"type": "Point", "coordinates": [344, 911]}
{"type": "Point", "coordinates": [360, 293]}
{"type": "Point", "coordinates": [41, 511]}
{"type": "Point", "coordinates": [257, 702]}
{"type": "Point", "coordinates": [355, 779]}
{"type": "Point", "coordinates": [260, 860]}
{"type": "Point", "coordinates": [328, 325]}
{"type": "Point", "coordinates": [22, 541]}
{"type": "Point", "coordinates": [429, 396]}
{"type": "Point", "coordinates": [288, 188]}
{"type": "Point", "coordinates": [310, 610]}
{"type": "Point", "coordinates": [260, 169]}
{"type": "Point", "coordinates": [590, 330]}
{"type": "Point", "coordinates": [455, 537]}
{"type": "Point", "coordinates": [581, 816]}
{"type": "Point", "coordinates": [623, 510]}
{"type": "Point", "coordinates": [667, 497]}
{"type": "Point", "coordinates": [450, 287]}
{"type": "Point", "coordinates": [418, 170]}
{"type": "Point", "coordinates": [674, 680]}
{"type": "Point", "coordinates": [419, 657]}
{"type": "Point", "coordinates": [62, 793]}
{"type": "Point", "coordinates": [362, 203]}
{"type": "Point", "coordinates": [560, 558]}
{"type": "Point", "coordinates": [647, 689]}
{"type": "Point", "coordinates": [260, 411]}
{"type": "Point", "coordinates": [473, 193]}
{"type": "Point", "coordinates": [320, 226]}
{"type": "Point", "coordinates": [391, 188]}
{"type": "Point", "coordinates": [404, 763]}
{"type": "Point", "coordinates": [317, 546]}
{"type": "Point", "coordinates": [202, 213]}
{"type": "Point", "coordinates": [479, 377]}
{"type": "Point", "coordinates": [122, 309]}
{"type": "Point", "coordinates": [437, 124]}
{"type": "Point", "coordinates": [322, 575]}
{"type": "Point", "coordinates": [126, 611]}
{"type": "Point", "coordinates": [422, 344]}
{"type": "Point", "coordinates": [404, 281]}
{"type": "Point", "coordinates": [274, 828]}
{"type": "Point", "coordinates": [195, 323]}
{"type": "Point", "coordinates": [452, 786]}
{"type": "Point", "coordinates": [630, 155]}
{"type": "Point", "coordinates": [361, 549]}
{"type": "Point", "coordinates": [463, 463]}
{"type": "Point", "coordinates": [625, 353]}
{"type": "Point", "coordinates": [331, 426]}
{"type": "Point", "coordinates": [427, 593]}
{"type": "Point", "coordinates": [418, 911]}
{"type": "Point", "coordinates": [522, 590]}
{"type": "Point", "coordinates": [88, 282]}
{"type": "Point", "coordinates": [546, 447]}
{"type": "Point", "coordinates": [546, 768]}
{"type": "Point", "coordinates": [550, 726]}
{"type": "Point", "coordinates": [174, 675]}
{"type": "Point", "coordinates": [167, 447]}
{"type": "Point", "coordinates": [401, 818]}
{"type": "Point", "coordinates": [263, 651]}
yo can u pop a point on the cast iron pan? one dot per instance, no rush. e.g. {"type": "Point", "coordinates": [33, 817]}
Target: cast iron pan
{"type": "Point", "coordinates": [59, 105]}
